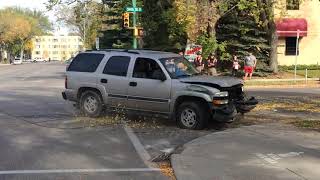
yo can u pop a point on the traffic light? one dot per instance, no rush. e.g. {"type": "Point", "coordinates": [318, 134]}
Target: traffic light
{"type": "Point", "coordinates": [126, 20]}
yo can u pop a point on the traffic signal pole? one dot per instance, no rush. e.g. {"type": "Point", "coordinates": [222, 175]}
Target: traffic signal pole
{"type": "Point", "coordinates": [134, 4]}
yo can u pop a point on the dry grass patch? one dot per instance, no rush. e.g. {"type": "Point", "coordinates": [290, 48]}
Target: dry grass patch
{"type": "Point", "coordinates": [307, 124]}
{"type": "Point", "coordinates": [290, 106]}
{"type": "Point", "coordinates": [167, 170]}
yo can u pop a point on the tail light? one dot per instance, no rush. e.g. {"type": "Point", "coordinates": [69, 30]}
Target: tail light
{"type": "Point", "coordinates": [66, 82]}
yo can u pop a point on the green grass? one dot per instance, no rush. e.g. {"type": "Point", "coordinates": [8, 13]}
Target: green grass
{"type": "Point", "coordinates": [311, 73]}
{"type": "Point", "coordinates": [307, 124]}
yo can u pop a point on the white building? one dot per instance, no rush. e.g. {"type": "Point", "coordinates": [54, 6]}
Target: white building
{"type": "Point", "coordinates": [56, 47]}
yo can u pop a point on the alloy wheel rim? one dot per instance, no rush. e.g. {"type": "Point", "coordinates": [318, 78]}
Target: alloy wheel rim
{"type": "Point", "coordinates": [188, 118]}
{"type": "Point", "coordinates": [90, 104]}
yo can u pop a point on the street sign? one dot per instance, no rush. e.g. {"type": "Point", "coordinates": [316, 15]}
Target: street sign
{"type": "Point", "coordinates": [132, 9]}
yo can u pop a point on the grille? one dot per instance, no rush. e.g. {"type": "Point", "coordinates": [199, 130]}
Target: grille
{"type": "Point", "coordinates": [235, 92]}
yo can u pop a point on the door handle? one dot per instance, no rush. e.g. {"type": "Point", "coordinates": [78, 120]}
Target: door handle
{"type": "Point", "coordinates": [133, 84]}
{"type": "Point", "coordinates": [105, 81]}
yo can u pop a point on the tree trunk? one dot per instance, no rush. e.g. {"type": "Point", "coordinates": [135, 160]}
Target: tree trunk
{"type": "Point", "coordinates": [21, 52]}
{"type": "Point", "coordinates": [267, 15]}
{"type": "Point", "coordinates": [1, 55]}
{"type": "Point", "coordinates": [213, 17]}
{"type": "Point", "coordinates": [273, 63]}
{"type": "Point", "coordinates": [274, 48]}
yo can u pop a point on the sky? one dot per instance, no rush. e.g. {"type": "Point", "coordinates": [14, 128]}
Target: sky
{"type": "Point", "coordinates": [34, 4]}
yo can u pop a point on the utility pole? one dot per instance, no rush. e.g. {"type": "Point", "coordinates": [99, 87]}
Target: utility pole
{"type": "Point", "coordinates": [134, 5]}
{"type": "Point", "coordinates": [297, 54]}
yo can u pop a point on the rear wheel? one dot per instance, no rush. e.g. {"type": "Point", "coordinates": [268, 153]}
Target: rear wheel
{"type": "Point", "coordinates": [192, 115]}
{"type": "Point", "coordinates": [91, 104]}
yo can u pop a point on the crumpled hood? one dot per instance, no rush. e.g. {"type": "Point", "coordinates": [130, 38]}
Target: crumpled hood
{"type": "Point", "coordinates": [222, 81]}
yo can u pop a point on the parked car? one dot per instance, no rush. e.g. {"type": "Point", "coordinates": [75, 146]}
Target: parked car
{"type": "Point", "coordinates": [156, 82]}
{"type": "Point", "coordinates": [17, 61]}
{"type": "Point", "coordinates": [39, 60]}
{"type": "Point", "coordinates": [28, 60]}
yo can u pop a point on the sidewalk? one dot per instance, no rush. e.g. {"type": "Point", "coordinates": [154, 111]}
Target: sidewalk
{"type": "Point", "coordinates": [251, 153]}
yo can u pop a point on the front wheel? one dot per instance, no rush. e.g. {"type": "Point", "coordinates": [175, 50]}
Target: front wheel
{"type": "Point", "coordinates": [91, 104]}
{"type": "Point", "coordinates": [192, 115]}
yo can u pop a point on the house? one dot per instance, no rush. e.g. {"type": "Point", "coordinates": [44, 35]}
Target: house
{"type": "Point", "coordinates": [298, 20]}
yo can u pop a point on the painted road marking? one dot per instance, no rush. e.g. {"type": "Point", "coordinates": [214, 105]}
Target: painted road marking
{"type": "Point", "coordinates": [52, 171]}
{"type": "Point", "coordinates": [144, 155]}
{"type": "Point", "coordinates": [273, 158]}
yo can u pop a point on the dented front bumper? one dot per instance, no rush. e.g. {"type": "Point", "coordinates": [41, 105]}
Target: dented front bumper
{"type": "Point", "coordinates": [226, 113]}
{"type": "Point", "coordinates": [246, 105]}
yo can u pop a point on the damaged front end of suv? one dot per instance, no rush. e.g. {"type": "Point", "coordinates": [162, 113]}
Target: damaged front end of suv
{"type": "Point", "coordinates": [228, 96]}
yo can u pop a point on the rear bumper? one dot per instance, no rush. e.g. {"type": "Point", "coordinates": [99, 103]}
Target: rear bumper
{"type": "Point", "coordinates": [69, 95]}
{"type": "Point", "coordinates": [64, 96]}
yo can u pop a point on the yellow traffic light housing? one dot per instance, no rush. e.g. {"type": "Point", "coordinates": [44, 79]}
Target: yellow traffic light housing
{"type": "Point", "coordinates": [126, 20]}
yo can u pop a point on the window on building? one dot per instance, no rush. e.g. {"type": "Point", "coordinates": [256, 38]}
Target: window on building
{"type": "Point", "coordinates": [117, 66]}
{"type": "Point", "coordinates": [291, 46]}
{"type": "Point", "coordinates": [38, 40]}
{"type": "Point", "coordinates": [55, 46]}
{"type": "Point", "coordinates": [293, 4]}
{"type": "Point", "coordinates": [86, 62]}
{"type": "Point", "coordinates": [55, 52]}
{"type": "Point", "coordinates": [37, 52]}
{"type": "Point", "coordinates": [55, 40]}
{"type": "Point", "coordinates": [38, 46]}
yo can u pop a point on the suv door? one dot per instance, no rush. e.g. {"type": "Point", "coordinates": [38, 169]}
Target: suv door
{"type": "Point", "coordinates": [115, 80]}
{"type": "Point", "coordinates": [149, 88]}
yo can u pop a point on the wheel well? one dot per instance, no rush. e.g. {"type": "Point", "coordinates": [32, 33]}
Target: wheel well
{"type": "Point", "coordinates": [83, 89]}
{"type": "Point", "coordinates": [182, 99]}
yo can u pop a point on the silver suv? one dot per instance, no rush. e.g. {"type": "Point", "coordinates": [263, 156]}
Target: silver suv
{"type": "Point", "coordinates": [153, 81]}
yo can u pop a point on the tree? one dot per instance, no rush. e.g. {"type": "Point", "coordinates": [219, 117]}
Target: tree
{"type": "Point", "coordinates": [114, 35]}
{"type": "Point", "coordinates": [19, 26]}
{"type": "Point", "coordinates": [84, 18]}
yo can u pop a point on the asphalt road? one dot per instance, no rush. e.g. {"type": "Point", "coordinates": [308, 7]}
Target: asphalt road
{"type": "Point", "coordinates": [37, 142]}
{"type": "Point", "coordinates": [41, 136]}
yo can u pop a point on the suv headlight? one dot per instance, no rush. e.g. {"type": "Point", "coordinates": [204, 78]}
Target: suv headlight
{"type": "Point", "coordinates": [220, 98]}
{"type": "Point", "coordinates": [221, 94]}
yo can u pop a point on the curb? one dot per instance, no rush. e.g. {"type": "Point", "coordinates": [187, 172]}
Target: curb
{"type": "Point", "coordinates": [283, 86]}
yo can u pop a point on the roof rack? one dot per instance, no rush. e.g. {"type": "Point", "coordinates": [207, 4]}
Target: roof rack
{"type": "Point", "coordinates": [116, 50]}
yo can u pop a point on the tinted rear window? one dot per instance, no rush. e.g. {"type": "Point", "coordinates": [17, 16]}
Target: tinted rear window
{"type": "Point", "coordinates": [117, 66]}
{"type": "Point", "coordinates": [86, 62]}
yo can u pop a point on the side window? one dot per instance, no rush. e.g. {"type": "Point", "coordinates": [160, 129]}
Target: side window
{"type": "Point", "coordinates": [86, 62]}
{"type": "Point", "coordinates": [117, 66]}
{"type": "Point", "coordinates": [147, 68]}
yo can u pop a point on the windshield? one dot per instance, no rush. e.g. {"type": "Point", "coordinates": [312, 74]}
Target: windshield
{"type": "Point", "coordinates": [179, 67]}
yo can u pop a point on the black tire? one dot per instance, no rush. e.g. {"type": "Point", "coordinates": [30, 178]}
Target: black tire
{"type": "Point", "coordinates": [201, 115]}
{"type": "Point", "coordinates": [98, 107]}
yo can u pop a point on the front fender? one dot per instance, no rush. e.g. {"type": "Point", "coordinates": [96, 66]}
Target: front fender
{"type": "Point", "coordinates": [198, 91]}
